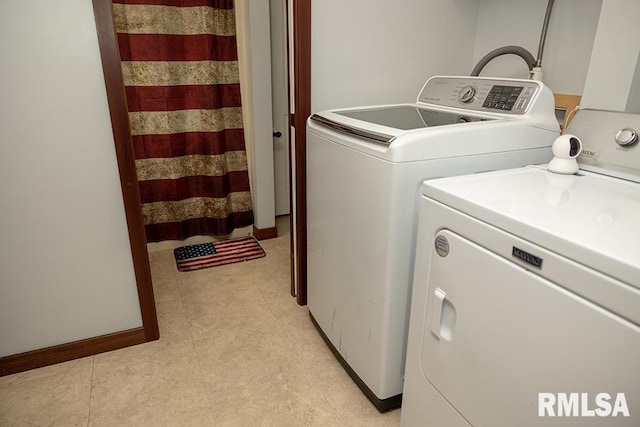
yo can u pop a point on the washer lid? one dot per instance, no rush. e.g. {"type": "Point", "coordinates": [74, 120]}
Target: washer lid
{"type": "Point", "coordinates": [590, 218]}
{"type": "Point", "coordinates": [408, 117]}
{"type": "Point", "coordinates": [384, 123]}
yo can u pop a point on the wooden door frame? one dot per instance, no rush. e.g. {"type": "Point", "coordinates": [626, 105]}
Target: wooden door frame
{"type": "Point", "coordinates": [114, 82]}
{"type": "Point", "coordinates": [302, 110]}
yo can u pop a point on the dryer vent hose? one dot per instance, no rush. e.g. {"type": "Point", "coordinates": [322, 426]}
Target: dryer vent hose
{"type": "Point", "coordinates": [505, 50]}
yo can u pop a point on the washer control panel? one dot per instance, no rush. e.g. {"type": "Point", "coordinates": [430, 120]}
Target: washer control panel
{"type": "Point", "coordinates": [481, 94]}
{"type": "Point", "coordinates": [503, 97]}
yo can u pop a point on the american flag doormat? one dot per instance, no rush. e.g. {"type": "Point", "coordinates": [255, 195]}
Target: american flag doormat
{"type": "Point", "coordinates": [204, 255]}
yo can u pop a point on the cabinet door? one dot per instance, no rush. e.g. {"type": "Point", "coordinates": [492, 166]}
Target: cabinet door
{"type": "Point", "coordinates": [496, 335]}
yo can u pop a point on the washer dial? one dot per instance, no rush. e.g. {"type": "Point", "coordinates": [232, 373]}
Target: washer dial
{"type": "Point", "coordinates": [467, 94]}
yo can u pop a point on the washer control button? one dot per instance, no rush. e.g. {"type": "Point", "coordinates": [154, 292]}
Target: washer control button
{"type": "Point", "coordinates": [467, 94]}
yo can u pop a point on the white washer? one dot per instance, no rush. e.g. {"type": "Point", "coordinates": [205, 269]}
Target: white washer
{"type": "Point", "coordinates": [364, 171]}
{"type": "Point", "coordinates": [528, 282]}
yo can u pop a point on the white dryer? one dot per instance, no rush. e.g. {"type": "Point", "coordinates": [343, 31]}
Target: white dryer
{"type": "Point", "coordinates": [364, 171]}
{"type": "Point", "coordinates": [526, 295]}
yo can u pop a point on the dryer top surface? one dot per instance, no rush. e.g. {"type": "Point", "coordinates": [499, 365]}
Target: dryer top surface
{"type": "Point", "coordinates": [591, 218]}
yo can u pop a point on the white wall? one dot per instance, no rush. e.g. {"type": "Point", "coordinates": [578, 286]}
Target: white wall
{"type": "Point", "coordinates": [66, 271]}
{"type": "Point", "coordinates": [633, 102]}
{"type": "Point", "coordinates": [378, 51]}
{"type": "Point", "coordinates": [567, 52]}
{"type": "Point", "coordinates": [254, 55]}
{"type": "Point", "coordinates": [280, 103]}
{"type": "Point", "coordinates": [615, 58]}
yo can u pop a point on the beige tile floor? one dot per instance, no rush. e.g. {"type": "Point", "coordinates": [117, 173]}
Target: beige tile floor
{"type": "Point", "coordinates": [235, 350]}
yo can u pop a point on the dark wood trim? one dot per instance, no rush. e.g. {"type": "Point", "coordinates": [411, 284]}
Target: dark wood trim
{"type": "Point", "coordinates": [74, 350]}
{"type": "Point", "coordinates": [302, 99]}
{"type": "Point", "coordinates": [265, 233]}
{"type": "Point", "coordinates": [107, 39]}
{"type": "Point", "coordinates": [290, 123]}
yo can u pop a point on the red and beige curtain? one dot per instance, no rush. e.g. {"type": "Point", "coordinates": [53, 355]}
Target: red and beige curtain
{"type": "Point", "coordinates": [180, 67]}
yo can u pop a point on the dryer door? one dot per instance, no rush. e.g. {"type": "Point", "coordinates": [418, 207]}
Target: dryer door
{"type": "Point", "coordinates": [497, 335]}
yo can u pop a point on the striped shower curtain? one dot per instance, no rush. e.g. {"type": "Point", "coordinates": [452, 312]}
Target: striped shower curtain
{"type": "Point", "coordinates": [180, 67]}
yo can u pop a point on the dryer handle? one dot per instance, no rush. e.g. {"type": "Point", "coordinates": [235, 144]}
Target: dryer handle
{"type": "Point", "coordinates": [443, 316]}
